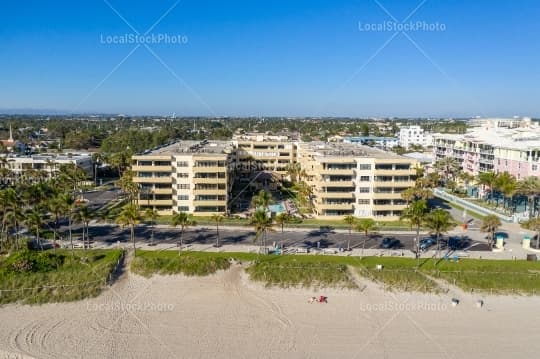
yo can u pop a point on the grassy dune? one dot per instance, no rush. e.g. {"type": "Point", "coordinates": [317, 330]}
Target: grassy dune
{"type": "Point", "coordinates": [33, 277]}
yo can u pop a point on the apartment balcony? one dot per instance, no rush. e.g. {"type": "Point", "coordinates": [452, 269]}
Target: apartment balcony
{"type": "Point", "coordinates": [161, 191]}
{"type": "Point", "coordinates": [209, 192]}
{"type": "Point", "coordinates": [211, 203]}
{"type": "Point", "coordinates": [393, 183]}
{"type": "Point", "coordinates": [386, 195]}
{"type": "Point", "coordinates": [209, 169]}
{"type": "Point", "coordinates": [209, 180]}
{"type": "Point", "coordinates": [156, 202]}
{"type": "Point", "coordinates": [338, 172]}
{"type": "Point", "coordinates": [340, 206]}
{"type": "Point", "coordinates": [408, 172]}
{"type": "Point", "coordinates": [347, 195]}
{"type": "Point", "coordinates": [389, 207]}
{"type": "Point", "coordinates": [152, 179]}
{"type": "Point", "coordinates": [322, 183]}
{"type": "Point", "coordinates": [151, 168]}
{"type": "Point", "coordinates": [485, 160]}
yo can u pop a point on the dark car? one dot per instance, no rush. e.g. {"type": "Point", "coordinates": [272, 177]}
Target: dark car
{"type": "Point", "coordinates": [425, 243]}
{"type": "Point", "coordinates": [389, 242]}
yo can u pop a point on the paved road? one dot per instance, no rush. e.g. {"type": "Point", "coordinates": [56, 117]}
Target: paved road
{"type": "Point", "coordinates": [207, 235]}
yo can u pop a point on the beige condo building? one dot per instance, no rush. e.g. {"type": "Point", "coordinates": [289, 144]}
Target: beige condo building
{"type": "Point", "coordinates": [187, 176]}
{"type": "Point", "coordinates": [348, 179]}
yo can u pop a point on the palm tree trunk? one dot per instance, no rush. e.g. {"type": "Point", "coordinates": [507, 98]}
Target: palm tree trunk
{"type": "Point", "coordinates": [54, 233]}
{"type": "Point", "coordinates": [217, 235]}
{"type": "Point", "coordinates": [133, 239]}
{"type": "Point", "coordinates": [438, 246]}
{"type": "Point", "coordinates": [71, 235]}
{"type": "Point", "coordinates": [364, 244]}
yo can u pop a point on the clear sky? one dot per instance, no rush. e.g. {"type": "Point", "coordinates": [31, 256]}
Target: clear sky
{"type": "Point", "coordinates": [280, 57]}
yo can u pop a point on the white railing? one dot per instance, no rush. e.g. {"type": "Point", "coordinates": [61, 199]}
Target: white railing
{"type": "Point", "coordinates": [472, 206]}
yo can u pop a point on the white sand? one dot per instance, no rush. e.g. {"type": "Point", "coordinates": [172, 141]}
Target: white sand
{"type": "Point", "coordinates": [225, 316]}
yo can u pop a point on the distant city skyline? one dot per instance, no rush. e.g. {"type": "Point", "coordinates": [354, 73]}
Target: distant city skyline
{"type": "Point", "coordinates": [304, 58]}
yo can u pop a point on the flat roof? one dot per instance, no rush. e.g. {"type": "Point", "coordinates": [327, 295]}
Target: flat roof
{"type": "Point", "coordinates": [326, 149]}
{"type": "Point", "coordinates": [193, 147]}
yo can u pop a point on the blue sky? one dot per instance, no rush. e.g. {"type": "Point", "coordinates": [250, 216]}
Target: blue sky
{"type": "Point", "coordinates": [281, 57]}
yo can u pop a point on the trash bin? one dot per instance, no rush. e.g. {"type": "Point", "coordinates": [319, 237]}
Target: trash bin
{"type": "Point", "coordinates": [532, 257]}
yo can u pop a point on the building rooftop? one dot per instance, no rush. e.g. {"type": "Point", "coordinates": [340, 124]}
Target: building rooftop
{"type": "Point", "coordinates": [193, 147]}
{"type": "Point", "coordinates": [260, 137]}
{"type": "Point", "coordinates": [520, 138]}
{"type": "Point", "coordinates": [346, 149]}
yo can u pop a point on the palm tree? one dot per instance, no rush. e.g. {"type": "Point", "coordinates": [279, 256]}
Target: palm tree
{"type": "Point", "coordinates": [488, 179]}
{"type": "Point", "coordinates": [282, 219]}
{"type": "Point", "coordinates": [350, 221]}
{"type": "Point", "coordinates": [415, 214]}
{"type": "Point", "coordinates": [439, 221]}
{"type": "Point", "coordinates": [365, 225]}
{"type": "Point", "coordinates": [69, 205]}
{"type": "Point", "coordinates": [151, 215]}
{"type": "Point", "coordinates": [183, 220]}
{"type": "Point", "coordinates": [263, 199]}
{"type": "Point", "coordinates": [506, 183]}
{"type": "Point", "coordinates": [448, 166]}
{"type": "Point", "coordinates": [262, 224]}
{"type": "Point", "coordinates": [34, 220]}
{"type": "Point", "coordinates": [529, 187]}
{"type": "Point", "coordinates": [57, 207]}
{"type": "Point", "coordinates": [84, 215]}
{"type": "Point", "coordinates": [490, 224]}
{"type": "Point", "coordinates": [130, 216]}
{"type": "Point", "coordinates": [293, 170]}
{"type": "Point", "coordinates": [533, 224]}
{"type": "Point", "coordinates": [217, 218]}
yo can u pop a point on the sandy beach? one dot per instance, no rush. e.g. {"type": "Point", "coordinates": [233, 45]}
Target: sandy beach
{"type": "Point", "coordinates": [226, 316]}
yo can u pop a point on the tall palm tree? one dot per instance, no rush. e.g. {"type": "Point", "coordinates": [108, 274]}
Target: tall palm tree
{"type": "Point", "coordinates": [69, 204]}
{"type": "Point", "coordinates": [183, 220]}
{"type": "Point", "coordinates": [365, 225]}
{"type": "Point", "coordinates": [84, 215]}
{"type": "Point", "coordinates": [490, 224]}
{"type": "Point", "coordinates": [151, 215]}
{"type": "Point", "coordinates": [282, 219]}
{"type": "Point", "coordinates": [506, 183]}
{"type": "Point", "coordinates": [262, 224]}
{"type": "Point", "coordinates": [439, 222]}
{"type": "Point", "coordinates": [415, 213]}
{"type": "Point", "coordinates": [529, 187]}
{"type": "Point", "coordinates": [263, 199]}
{"type": "Point", "coordinates": [448, 166]}
{"type": "Point", "coordinates": [34, 221]}
{"type": "Point", "coordinates": [57, 207]}
{"type": "Point", "coordinates": [217, 219]}
{"type": "Point", "coordinates": [350, 221]}
{"type": "Point", "coordinates": [488, 179]}
{"type": "Point", "coordinates": [130, 216]}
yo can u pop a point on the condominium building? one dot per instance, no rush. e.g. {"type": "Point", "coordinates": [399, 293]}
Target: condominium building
{"type": "Point", "coordinates": [197, 177]}
{"type": "Point", "coordinates": [498, 145]}
{"type": "Point", "coordinates": [257, 151]}
{"type": "Point", "coordinates": [188, 176]}
{"type": "Point", "coordinates": [373, 141]}
{"type": "Point", "coordinates": [48, 163]}
{"type": "Point", "coordinates": [414, 135]}
{"type": "Point", "coordinates": [348, 179]}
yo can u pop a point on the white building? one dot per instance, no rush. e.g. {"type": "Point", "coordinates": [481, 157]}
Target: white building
{"type": "Point", "coordinates": [414, 135]}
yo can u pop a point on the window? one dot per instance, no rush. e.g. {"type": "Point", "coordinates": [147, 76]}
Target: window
{"type": "Point", "coordinates": [183, 197]}
{"type": "Point", "coordinates": [363, 189]}
{"type": "Point", "coordinates": [183, 186]}
{"type": "Point", "coordinates": [183, 208]}
{"type": "Point", "coordinates": [182, 175]}
{"type": "Point", "coordinates": [365, 166]}
{"type": "Point", "coordinates": [182, 164]}
{"type": "Point", "coordinates": [534, 167]}
{"type": "Point", "coordinates": [364, 178]}
{"type": "Point", "coordinates": [363, 201]}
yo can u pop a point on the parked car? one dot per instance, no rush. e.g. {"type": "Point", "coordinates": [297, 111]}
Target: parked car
{"type": "Point", "coordinates": [425, 243]}
{"type": "Point", "coordinates": [389, 242]}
